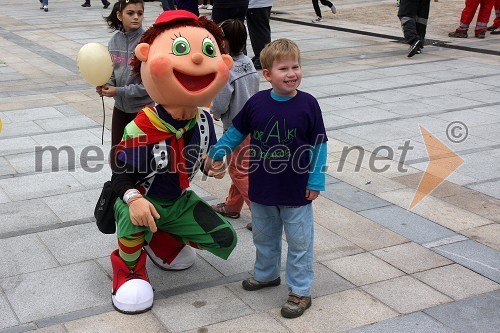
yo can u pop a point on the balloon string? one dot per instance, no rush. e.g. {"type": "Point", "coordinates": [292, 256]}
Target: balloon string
{"type": "Point", "coordinates": [103, 120]}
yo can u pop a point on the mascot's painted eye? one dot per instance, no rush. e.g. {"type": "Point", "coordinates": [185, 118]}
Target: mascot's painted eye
{"type": "Point", "coordinates": [208, 47]}
{"type": "Point", "coordinates": [180, 46]}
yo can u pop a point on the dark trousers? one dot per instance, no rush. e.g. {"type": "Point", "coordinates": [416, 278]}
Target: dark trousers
{"type": "Point", "coordinates": [413, 15]}
{"type": "Point", "coordinates": [316, 6]}
{"type": "Point", "coordinates": [118, 122]}
{"type": "Point", "coordinates": [259, 28]}
{"type": "Point", "coordinates": [222, 14]}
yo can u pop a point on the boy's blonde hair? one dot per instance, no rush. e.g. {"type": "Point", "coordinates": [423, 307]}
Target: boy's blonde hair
{"type": "Point", "coordinates": [277, 50]}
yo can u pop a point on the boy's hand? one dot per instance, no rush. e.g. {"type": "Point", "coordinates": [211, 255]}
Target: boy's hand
{"type": "Point", "coordinates": [311, 195]}
{"type": "Point", "coordinates": [216, 169]}
{"type": "Point", "coordinates": [143, 213]}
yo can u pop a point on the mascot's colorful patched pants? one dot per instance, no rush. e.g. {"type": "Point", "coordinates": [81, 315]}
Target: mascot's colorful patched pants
{"type": "Point", "coordinates": [190, 219]}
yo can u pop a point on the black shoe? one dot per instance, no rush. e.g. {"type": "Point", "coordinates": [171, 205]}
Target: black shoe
{"type": "Point", "coordinates": [491, 28]}
{"type": "Point", "coordinates": [249, 226]}
{"type": "Point", "coordinates": [480, 35]}
{"type": "Point", "coordinates": [106, 5]}
{"type": "Point", "coordinates": [251, 284]}
{"type": "Point", "coordinates": [414, 48]}
{"type": "Point", "coordinates": [458, 34]}
{"type": "Point", "coordinates": [86, 4]}
{"type": "Point", "coordinates": [496, 31]}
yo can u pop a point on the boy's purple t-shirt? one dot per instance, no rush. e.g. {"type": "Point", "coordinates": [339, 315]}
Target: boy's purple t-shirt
{"type": "Point", "coordinates": [282, 134]}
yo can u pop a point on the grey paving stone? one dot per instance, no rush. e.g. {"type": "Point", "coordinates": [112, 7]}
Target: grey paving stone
{"type": "Point", "coordinates": [491, 188]}
{"type": "Point", "coordinates": [93, 180]}
{"type": "Point", "coordinates": [56, 291]}
{"type": "Point", "coordinates": [6, 168]}
{"type": "Point", "coordinates": [475, 256]}
{"type": "Point", "coordinates": [67, 110]}
{"type": "Point", "coordinates": [363, 114]}
{"type": "Point", "coordinates": [66, 123]}
{"type": "Point", "coordinates": [24, 128]}
{"type": "Point", "coordinates": [3, 197]}
{"type": "Point", "coordinates": [347, 102]}
{"type": "Point", "coordinates": [39, 185]}
{"type": "Point", "coordinates": [411, 257]}
{"type": "Point", "coordinates": [328, 245]}
{"type": "Point", "coordinates": [70, 245]}
{"type": "Point", "coordinates": [20, 215]}
{"type": "Point", "coordinates": [363, 268]}
{"type": "Point", "coordinates": [255, 323]}
{"type": "Point", "coordinates": [7, 316]}
{"type": "Point", "coordinates": [339, 312]}
{"type": "Point", "coordinates": [34, 114]}
{"type": "Point", "coordinates": [327, 282]}
{"type": "Point", "coordinates": [416, 322]}
{"type": "Point", "coordinates": [407, 224]}
{"type": "Point", "coordinates": [114, 321]}
{"type": "Point", "coordinates": [24, 254]}
{"type": "Point", "coordinates": [352, 197]}
{"type": "Point", "coordinates": [200, 308]}
{"type": "Point", "coordinates": [73, 206]}
{"type": "Point", "coordinates": [241, 259]}
{"type": "Point", "coordinates": [12, 146]}
{"type": "Point", "coordinates": [477, 314]}
{"type": "Point", "coordinates": [406, 294]}
{"type": "Point", "coordinates": [457, 281]}
{"type": "Point", "coordinates": [377, 132]}
{"type": "Point", "coordinates": [80, 137]}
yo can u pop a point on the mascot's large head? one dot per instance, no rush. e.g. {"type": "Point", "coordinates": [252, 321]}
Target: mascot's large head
{"type": "Point", "coordinates": [181, 62]}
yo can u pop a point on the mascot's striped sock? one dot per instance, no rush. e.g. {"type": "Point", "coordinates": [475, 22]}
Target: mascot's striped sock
{"type": "Point", "coordinates": [130, 247]}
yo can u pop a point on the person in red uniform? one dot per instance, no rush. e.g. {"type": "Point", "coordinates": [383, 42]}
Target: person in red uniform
{"type": "Point", "coordinates": [495, 27]}
{"type": "Point", "coordinates": [468, 13]}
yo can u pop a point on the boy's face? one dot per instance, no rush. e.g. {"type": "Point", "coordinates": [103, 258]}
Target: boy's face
{"type": "Point", "coordinates": [285, 76]}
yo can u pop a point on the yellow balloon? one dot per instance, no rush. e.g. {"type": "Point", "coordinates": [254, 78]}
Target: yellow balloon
{"type": "Point", "coordinates": [94, 63]}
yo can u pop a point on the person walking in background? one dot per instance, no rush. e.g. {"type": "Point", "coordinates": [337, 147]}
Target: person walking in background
{"type": "Point", "coordinates": [289, 154]}
{"type": "Point", "coordinates": [189, 5]}
{"type": "Point", "coordinates": [130, 96]}
{"type": "Point", "coordinates": [413, 15]}
{"type": "Point", "coordinates": [205, 5]}
{"type": "Point", "coordinates": [105, 4]}
{"type": "Point", "coordinates": [168, 5]}
{"type": "Point", "coordinates": [495, 27]}
{"type": "Point", "coordinates": [259, 29]}
{"type": "Point", "coordinates": [229, 9]}
{"type": "Point", "coordinates": [243, 83]}
{"type": "Point", "coordinates": [44, 4]}
{"type": "Point", "coordinates": [483, 16]}
{"type": "Point", "coordinates": [317, 10]}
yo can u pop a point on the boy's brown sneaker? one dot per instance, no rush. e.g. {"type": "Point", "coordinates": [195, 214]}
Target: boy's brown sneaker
{"type": "Point", "coordinates": [222, 210]}
{"type": "Point", "coordinates": [458, 34]}
{"type": "Point", "coordinates": [295, 306]}
{"type": "Point", "coordinates": [251, 284]}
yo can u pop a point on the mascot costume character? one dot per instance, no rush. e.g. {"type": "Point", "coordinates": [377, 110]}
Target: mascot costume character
{"type": "Point", "coordinates": [181, 63]}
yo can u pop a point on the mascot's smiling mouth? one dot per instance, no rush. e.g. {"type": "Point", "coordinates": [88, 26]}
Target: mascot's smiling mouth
{"type": "Point", "coordinates": [194, 83]}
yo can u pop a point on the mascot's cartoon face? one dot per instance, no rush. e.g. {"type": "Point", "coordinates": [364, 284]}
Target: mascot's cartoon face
{"type": "Point", "coordinates": [183, 66]}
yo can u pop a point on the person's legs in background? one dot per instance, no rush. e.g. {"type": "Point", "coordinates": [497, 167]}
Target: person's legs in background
{"type": "Point", "coordinates": [482, 18]}
{"type": "Point", "coordinates": [407, 14]}
{"type": "Point", "coordinates": [259, 31]}
{"type": "Point", "coordinates": [465, 19]}
{"type": "Point", "coordinates": [168, 5]}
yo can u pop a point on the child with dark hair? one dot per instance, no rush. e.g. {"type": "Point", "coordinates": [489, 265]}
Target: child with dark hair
{"type": "Point", "coordinates": [243, 84]}
{"type": "Point", "coordinates": [124, 86]}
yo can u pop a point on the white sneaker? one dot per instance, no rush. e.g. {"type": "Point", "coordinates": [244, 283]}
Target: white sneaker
{"type": "Point", "coordinates": [317, 19]}
{"type": "Point", "coordinates": [333, 9]}
{"type": "Point", "coordinates": [45, 8]}
{"type": "Point", "coordinates": [41, 5]}
{"type": "Point", "coordinates": [203, 6]}
{"type": "Point", "coordinates": [210, 7]}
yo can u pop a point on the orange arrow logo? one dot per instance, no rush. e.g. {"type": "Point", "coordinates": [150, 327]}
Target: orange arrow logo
{"type": "Point", "coordinates": [442, 162]}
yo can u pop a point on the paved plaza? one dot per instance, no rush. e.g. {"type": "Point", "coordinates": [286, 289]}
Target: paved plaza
{"type": "Point", "coordinates": [379, 266]}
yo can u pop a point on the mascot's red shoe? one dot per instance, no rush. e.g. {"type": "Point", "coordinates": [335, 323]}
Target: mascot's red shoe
{"type": "Point", "coordinates": [132, 292]}
{"type": "Point", "coordinates": [168, 253]}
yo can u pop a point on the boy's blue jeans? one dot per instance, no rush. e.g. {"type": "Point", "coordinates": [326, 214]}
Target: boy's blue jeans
{"type": "Point", "coordinates": [267, 227]}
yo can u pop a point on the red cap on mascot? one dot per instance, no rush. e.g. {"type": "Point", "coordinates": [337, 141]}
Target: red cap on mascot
{"type": "Point", "coordinates": [170, 16]}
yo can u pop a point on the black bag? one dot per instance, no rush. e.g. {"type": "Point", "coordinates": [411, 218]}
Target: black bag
{"type": "Point", "coordinates": [104, 213]}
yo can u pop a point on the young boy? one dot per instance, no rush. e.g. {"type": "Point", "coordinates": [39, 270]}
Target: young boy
{"type": "Point", "coordinates": [287, 159]}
